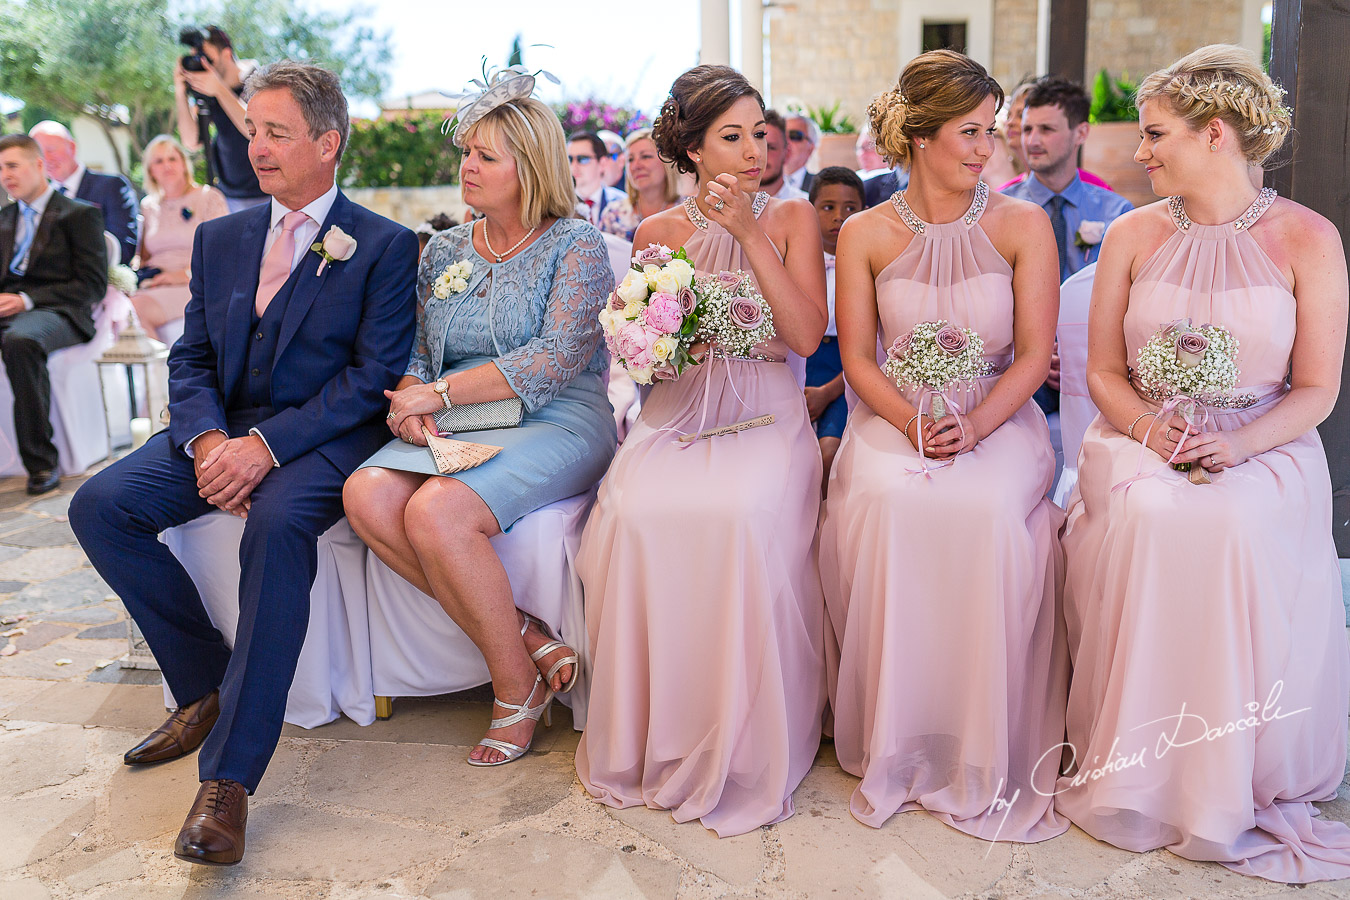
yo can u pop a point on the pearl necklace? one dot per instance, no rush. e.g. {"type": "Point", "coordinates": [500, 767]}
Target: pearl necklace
{"type": "Point", "coordinates": [512, 249]}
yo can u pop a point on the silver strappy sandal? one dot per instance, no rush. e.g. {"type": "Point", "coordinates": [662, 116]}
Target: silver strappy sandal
{"type": "Point", "coordinates": [523, 711]}
{"type": "Point", "coordinates": [552, 645]}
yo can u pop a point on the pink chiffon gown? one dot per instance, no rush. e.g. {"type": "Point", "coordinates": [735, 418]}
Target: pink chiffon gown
{"type": "Point", "coordinates": [947, 671]}
{"type": "Point", "coordinates": [703, 598]}
{"type": "Point", "coordinates": [1211, 671]}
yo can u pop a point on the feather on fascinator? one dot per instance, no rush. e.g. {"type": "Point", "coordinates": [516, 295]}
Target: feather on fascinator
{"type": "Point", "coordinates": [495, 88]}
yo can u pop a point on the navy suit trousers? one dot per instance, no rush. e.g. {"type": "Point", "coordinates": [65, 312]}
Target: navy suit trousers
{"type": "Point", "coordinates": [118, 516]}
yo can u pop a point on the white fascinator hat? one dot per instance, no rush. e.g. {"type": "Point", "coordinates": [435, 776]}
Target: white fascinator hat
{"type": "Point", "coordinates": [496, 88]}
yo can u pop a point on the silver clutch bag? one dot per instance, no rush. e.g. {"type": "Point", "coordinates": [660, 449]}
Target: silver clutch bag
{"type": "Point", "coordinates": [480, 416]}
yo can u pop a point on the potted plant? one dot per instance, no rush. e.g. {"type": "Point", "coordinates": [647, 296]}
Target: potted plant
{"type": "Point", "coordinates": [1114, 138]}
{"type": "Point", "coordinates": [838, 136]}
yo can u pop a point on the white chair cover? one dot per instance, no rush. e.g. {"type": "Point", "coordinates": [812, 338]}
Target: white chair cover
{"type": "Point", "coordinates": [78, 411]}
{"type": "Point", "coordinates": [371, 633]}
{"type": "Point", "coordinates": [1076, 409]}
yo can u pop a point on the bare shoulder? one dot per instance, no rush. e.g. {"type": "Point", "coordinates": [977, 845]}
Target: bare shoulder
{"type": "Point", "coordinates": [670, 227]}
{"type": "Point", "coordinates": [788, 213]}
{"type": "Point", "coordinates": [1298, 230]}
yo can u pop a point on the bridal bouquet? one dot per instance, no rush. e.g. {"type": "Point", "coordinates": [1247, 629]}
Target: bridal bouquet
{"type": "Point", "coordinates": [650, 319]}
{"type": "Point", "coordinates": [1188, 369]}
{"type": "Point", "coordinates": [934, 357]}
{"type": "Point", "coordinates": [734, 317]}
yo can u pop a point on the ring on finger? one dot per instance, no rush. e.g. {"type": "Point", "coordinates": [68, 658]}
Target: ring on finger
{"type": "Point", "coordinates": [1211, 460]}
{"type": "Point", "coordinates": [392, 415]}
{"type": "Point", "coordinates": [1170, 429]}
{"type": "Point", "coordinates": [719, 204]}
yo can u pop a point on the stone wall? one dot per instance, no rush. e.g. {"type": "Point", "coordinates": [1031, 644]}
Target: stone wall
{"type": "Point", "coordinates": [1140, 36]}
{"type": "Point", "coordinates": [827, 51]}
{"type": "Point", "coordinates": [410, 206]}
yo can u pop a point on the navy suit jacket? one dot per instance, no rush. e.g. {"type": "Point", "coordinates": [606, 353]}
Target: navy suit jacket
{"type": "Point", "coordinates": [345, 337]}
{"type": "Point", "coordinates": [67, 264]}
{"type": "Point", "coordinates": [121, 210]}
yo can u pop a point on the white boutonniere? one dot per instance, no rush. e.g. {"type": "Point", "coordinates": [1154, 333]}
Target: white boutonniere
{"type": "Point", "coordinates": [336, 246]}
{"type": "Point", "coordinates": [1089, 234]}
{"type": "Point", "coordinates": [453, 279]}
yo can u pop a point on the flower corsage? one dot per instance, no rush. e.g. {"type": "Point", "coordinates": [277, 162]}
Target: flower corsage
{"type": "Point", "coordinates": [453, 279]}
{"type": "Point", "coordinates": [336, 246]}
{"type": "Point", "coordinates": [1089, 235]}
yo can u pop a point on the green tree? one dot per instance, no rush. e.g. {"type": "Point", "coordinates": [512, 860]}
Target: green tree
{"type": "Point", "coordinates": [114, 59]}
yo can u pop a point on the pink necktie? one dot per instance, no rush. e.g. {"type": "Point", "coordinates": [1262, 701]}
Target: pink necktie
{"type": "Point", "coordinates": [276, 267]}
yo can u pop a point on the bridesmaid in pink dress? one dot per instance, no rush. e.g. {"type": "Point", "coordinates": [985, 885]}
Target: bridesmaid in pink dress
{"type": "Point", "coordinates": [174, 206]}
{"type": "Point", "coordinates": [702, 593]}
{"type": "Point", "coordinates": [1211, 673]}
{"type": "Point", "coordinates": [947, 671]}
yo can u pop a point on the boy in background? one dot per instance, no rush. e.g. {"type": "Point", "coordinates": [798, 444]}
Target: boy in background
{"type": "Point", "coordinates": [836, 193]}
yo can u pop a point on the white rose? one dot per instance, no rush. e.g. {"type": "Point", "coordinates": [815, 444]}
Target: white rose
{"type": "Point", "coordinates": [466, 268]}
{"type": "Point", "coordinates": [1091, 233]}
{"type": "Point", "coordinates": [666, 280]}
{"type": "Point", "coordinates": [682, 271]}
{"type": "Point", "coordinates": [441, 288]}
{"type": "Point", "coordinates": [650, 272]}
{"type": "Point", "coordinates": [607, 323]}
{"type": "Point", "coordinates": [633, 288]}
{"type": "Point", "coordinates": [642, 375]}
{"type": "Point", "coordinates": [339, 244]}
{"type": "Point", "coordinates": [458, 284]}
{"type": "Point", "coordinates": [633, 309]}
{"type": "Point", "coordinates": [665, 348]}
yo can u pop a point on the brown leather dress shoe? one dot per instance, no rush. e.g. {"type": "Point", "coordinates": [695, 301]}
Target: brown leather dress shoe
{"type": "Point", "coordinates": [180, 734]}
{"type": "Point", "coordinates": [214, 831]}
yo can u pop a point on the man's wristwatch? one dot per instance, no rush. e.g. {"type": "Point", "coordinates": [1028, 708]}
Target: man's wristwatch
{"type": "Point", "coordinates": [443, 389]}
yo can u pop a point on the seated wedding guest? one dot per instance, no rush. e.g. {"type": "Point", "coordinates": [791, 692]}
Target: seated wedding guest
{"type": "Point", "coordinates": [612, 165]}
{"type": "Point", "coordinates": [939, 550]}
{"type": "Point", "coordinates": [651, 187]}
{"type": "Point", "coordinates": [836, 193]}
{"type": "Point", "coordinates": [437, 223]}
{"type": "Point", "coordinates": [878, 188]}
{"type": "Point", "coordinates": [113, 194]}
{"type": "Point", "coordinates": [1016, 127]}
{"type": "Point", "coordinates": [585, 152]}
{"type": "Point", "coordinates": [1210, 671]}
{"type": "Point", "coordinates": [803, 135]}
{"type": "Point", "coordinates": [702, 595]}
{"type": "Point", "coordinates": [275, 394]}
{"type": "Point", "coordinates": [869, 160]}
{"type": "Point", "coordinates": [55, 268]}
{"type": "Point", "coordinates": [507, 310]}
{"type": "Point", "coordinates": [772, 180]}
{"type": "Point", "coordinates": [174, 206]}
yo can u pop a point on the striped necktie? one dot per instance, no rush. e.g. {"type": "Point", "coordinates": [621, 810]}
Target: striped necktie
{"type": "Point", "coordinates": [19, 264]}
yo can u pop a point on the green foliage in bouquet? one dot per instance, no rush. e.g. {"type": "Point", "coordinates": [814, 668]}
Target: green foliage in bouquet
{"type": "Point", "coordinates": [403, 152]}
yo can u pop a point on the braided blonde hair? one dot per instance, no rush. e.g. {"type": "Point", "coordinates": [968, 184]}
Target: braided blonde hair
{"type": "Point", "coordinates": [934, 88]}
{"type": "Point", "coordinates": [1224, 81]}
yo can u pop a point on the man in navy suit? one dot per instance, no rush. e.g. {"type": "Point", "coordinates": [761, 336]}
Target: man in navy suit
{"type": "Point", "coordinates": [113, 194]}
{"type": "Point", "coordinates": [275, 397]}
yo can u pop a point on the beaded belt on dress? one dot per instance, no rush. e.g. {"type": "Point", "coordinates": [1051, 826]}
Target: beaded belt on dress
{"type": "Point", "coordinates": [1228, 402]}
{"type": "Point", "coordinates": [753, 357]}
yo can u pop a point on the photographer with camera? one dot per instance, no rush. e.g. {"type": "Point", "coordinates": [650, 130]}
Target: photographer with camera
{"type": "Point", "coordinates": [207, 86]}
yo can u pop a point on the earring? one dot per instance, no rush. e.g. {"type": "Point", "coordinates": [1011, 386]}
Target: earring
{"type": "Point", "coordinates": [921, 145]}
{"type": "Point", "coordinates": [1213, 147]}
{"type": "Point", "coordinates": [698, 159]}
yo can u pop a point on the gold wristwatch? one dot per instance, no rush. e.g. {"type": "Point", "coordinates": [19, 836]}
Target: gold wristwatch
{"type": "Point", "coordinates": [443, 389]}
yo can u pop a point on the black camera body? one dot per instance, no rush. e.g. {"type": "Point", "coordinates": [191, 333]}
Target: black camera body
{"type": "Point", "coordinates": [193, 37]}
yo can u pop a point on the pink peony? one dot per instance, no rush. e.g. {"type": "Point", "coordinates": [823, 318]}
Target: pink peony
{"type": "Point", "coordinates": [654, 255]}
{"type": "Point", "coordinates": [631, 340]}
{"type": "Point", "coordinates": [664, 313]}
{"type": "Point", "coordinates": [1191, 347]}
{"type": "Point", "coordinates": [951, 339]}
{"type": "Point", "coordinates": [688, 300]}
{"type": "Point", "coordinates": [745, 313]}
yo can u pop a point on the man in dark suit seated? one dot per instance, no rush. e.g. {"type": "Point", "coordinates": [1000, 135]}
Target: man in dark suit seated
{"type": "Point", "coordinates": [276, 395]}
{"type": "Point", "coordinates": [111, 193]}
{"type": "Point", "coordinates": [55, 270]}
{"type": "Point", "coordinates": [878, 189]}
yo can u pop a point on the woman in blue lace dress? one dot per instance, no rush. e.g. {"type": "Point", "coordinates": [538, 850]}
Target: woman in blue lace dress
{"type": "Point", "coordinates": [507, 307]}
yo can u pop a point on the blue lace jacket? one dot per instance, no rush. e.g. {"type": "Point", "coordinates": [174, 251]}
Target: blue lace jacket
{"type": "Point", "coordinates": [536, 313]}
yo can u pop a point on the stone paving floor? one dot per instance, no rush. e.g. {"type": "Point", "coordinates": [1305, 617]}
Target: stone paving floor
{"type": "Point", "coordinates": [392, 810]}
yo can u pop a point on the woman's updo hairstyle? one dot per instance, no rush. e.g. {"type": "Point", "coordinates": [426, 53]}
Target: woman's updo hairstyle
{"type": "Point", "coordinates": [934, 88]}
{"type": "Point", "coordinates": [1223, 81]}
{"type": "Point", "coordinates": [696, 99]}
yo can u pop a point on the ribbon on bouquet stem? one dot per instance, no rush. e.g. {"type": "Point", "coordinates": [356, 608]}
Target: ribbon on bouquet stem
{"type": "Point", "coordinates": [1173, 403]}
{"type": "Point", "coordinates": [952, 406]}
{"type": "Point", "coordinates": [684, 436]}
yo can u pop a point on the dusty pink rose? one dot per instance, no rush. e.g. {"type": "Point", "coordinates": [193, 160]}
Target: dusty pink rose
{"type": "Point", "coordinates": [745, 313]}
{"type": "Point", "coordinates": [1191, 346]}
{"type": "Point", "coordinates": [951, 339]}
{"type": "Point", "coordinates": [900, 349]}
{"type": "Point", "coordinates": [729, 280]}
{"type": "Point", "coordinates": [665, 373]}
{"type": "Point", "coordinates": [688, 300]}
{"type": "Point", "coordinates": [654, 255]}
{"type": "Point", "coordinates": [616, 302]}
{"type": "Point", "coordinates": [663, 313]}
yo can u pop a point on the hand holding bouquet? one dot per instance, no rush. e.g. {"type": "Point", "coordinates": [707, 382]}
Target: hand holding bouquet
{"type": "Point", "coordinates": [734, 317]}
{"type": "Point", "coordinates": [650, 319]}
{"type": "Point", "coordinates": [936, 357]}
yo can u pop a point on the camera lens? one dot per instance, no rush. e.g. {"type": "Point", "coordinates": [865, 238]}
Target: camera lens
{"type": "Point", "coordinates": [193, 62]}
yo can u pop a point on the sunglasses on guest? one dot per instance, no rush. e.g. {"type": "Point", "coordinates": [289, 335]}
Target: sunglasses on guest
{"type": "Point", "coordinates": [796, 135]}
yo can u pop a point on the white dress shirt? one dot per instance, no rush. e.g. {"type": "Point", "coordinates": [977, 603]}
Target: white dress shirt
{"type": "Point", "coordinates": [72, 184]}
{"type": "Point", "coordinates": [21, 232]}
{"type": "Point", "coordinates": [788, 192]}
{"type": "Point", "coordinates": [317, 210]}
